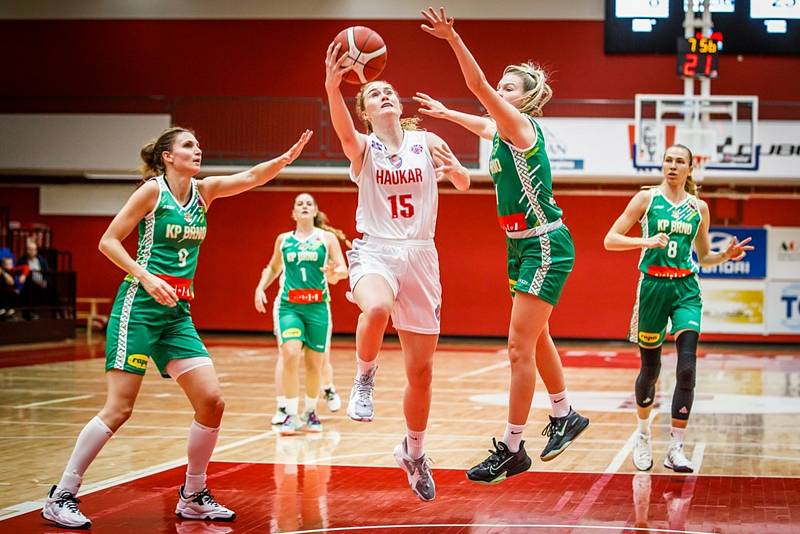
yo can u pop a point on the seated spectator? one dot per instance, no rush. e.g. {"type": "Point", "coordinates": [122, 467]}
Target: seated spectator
{"type": "Point", "coordinates": [12, 280]}
{"type": "Point", "coordinates": [37, 291]}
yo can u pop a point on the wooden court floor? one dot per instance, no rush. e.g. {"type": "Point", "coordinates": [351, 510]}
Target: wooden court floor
{"type": "Point", "coordinates": [744, 434]}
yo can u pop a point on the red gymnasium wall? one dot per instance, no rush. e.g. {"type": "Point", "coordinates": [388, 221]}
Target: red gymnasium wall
{"type": "Point", "coordinates": [285, 58]}
{"type": "Point", "coordinates": [242, 230]}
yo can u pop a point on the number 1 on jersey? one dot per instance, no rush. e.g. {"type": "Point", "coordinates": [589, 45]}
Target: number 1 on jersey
{"type": "Point", "coordinates": [401, 206]}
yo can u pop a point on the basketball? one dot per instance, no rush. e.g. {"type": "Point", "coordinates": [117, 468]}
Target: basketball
{"type": "Point", "coordinates": [366, 50]}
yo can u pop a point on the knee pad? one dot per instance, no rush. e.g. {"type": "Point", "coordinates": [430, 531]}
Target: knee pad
{"type": "Point", "coordinates": [648, 375]}
{"type": "Point", "coordinates": [685, 375]}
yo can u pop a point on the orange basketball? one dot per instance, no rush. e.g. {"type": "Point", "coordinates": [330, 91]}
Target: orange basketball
{"type": "Point", "coordinates": [366, 50]}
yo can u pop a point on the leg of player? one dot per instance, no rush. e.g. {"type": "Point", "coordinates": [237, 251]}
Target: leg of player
{"type": "Point", "coordinates": [529, 315]}
{"type": "Point", "coordinates": [375, 298]}
{"type": "Point", "coordinates": [313, 362]}
{"type": "Point", "coordinates": [418, 350]}
{"type": "Point", "coordinates": [565, 423]}
{"type": "Point", "coordinates": [645, 392]}
{"type": "Point", "coordinates": [194, 499]}
{"type": "Point", "coordinates": [682, 400]}
{"type": "Point", "coordinates": [280, 398]}
{"type": "Point", "coordinates": [61, 506]}
{"type": "Point", "coordinates": [332, 398]}
{"type": "Point", "coordinates": [292, 353]}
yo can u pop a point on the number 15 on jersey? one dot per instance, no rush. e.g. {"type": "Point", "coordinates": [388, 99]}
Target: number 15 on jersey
{"type": "Point", "coordinates": [401, 206]}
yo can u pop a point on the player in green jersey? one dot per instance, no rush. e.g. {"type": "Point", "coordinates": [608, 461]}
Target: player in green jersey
{"type": "Point", "coordinates": [540, 250]}
{"type": "Point", "coordinates": [673, 219]}
{"type": "Point", "coordinates": [151, 317]}
{"type": "Point", "coordinates": [306, 260]}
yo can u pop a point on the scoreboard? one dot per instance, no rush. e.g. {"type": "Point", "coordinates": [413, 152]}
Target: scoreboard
{"type": "Point", "coordinates": [766, 27]}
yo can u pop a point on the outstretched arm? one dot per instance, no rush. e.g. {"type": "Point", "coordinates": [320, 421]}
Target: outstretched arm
{"type": "Point", "coordinates": [353, 142]}
{"type": "Point", "coordinates": [634, 211]}
{"type": "Point", "coordinates": [481, 126]}
{"type": "Point", "coordinates": [512, 125]}
{"type": "Point", "coordinates": [226, 186]}
{"type": "Point", "coordinates": [336, 268]}
{"type": "Point", "coordinates": [702, 243]}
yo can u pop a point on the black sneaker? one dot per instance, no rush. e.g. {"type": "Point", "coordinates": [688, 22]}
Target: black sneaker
{"type": "Point", "coordinates": [501, 464]}
{"type": "Point", "coordinates": [562, 431]}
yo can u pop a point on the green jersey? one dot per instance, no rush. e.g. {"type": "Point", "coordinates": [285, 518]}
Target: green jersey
{"type": "Point", "coordinates": [524, 186]}
{"type": "Point", "coordinates": [680, 222]}
{"type": "Point", "coordinates": [170, 238]}
{"type": "Point", "coordinates": [302, 280]}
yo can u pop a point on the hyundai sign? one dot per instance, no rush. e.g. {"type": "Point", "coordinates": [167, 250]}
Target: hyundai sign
{"type": "Point", "coordinates": [754, 265]}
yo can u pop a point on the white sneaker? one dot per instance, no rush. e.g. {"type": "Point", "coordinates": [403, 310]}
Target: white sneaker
{"type": "Point", "coordinates": [676, 460]}
{"type": "Point", "coordinates": [201, 505]}
{"type": "Point", "coordinates": [280, 416]}
{"type": "Point", "coordinates": [642, 453]}
{"type": "Point", "coordinates": [360, 406]}
{"type": "Point", "coordinates": [332, 399]}
{"type": "Point", "coordinates": [417, 471]}
{"type": "Point", "coordinates": [62, 509]}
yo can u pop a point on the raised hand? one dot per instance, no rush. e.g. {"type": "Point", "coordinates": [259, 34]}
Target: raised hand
{"type": "Point", "coordinates": [162, 292]}
{"type": "Point", "coordinates": [291, 154]}
{"type": "Point", "coordinates": [440, 26]}
{"type": "Point", "coordinates": [737, 251]}
{"type": "Point", "coordinates": [446, 162]}
{"type": "Point", "coordinates": [335, 69]}
{"type": "Point", "coordinates": [429, 106]}
{"type": "Point", "coordinates": [659, 240]}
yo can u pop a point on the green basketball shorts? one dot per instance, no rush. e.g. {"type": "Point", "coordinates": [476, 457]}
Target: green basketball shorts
{"type": "Point", "coordinates": [540, 265]}
{"type": "Point", "coordinates": [661, 299]}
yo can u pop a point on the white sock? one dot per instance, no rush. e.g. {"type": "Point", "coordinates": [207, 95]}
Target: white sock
{"type": "Point", "coordinates": [644, 426]}
{"type": "Point", "coordinates": [291, 406]}
{"type": "Point", "coordinates": [311, 403]}
{"type": "Point", "coordinates": [281, 399]}
{"type": "Point", "coordinates": [559, 403]}
{"type": "Point", "coordinates": [90, 441]}
{"type": "Point", "coordinates": [414, 443]}
{"type": "Point", "coordinates": [202, 440]}
{"type": "Point", "coordinates": [362, 366]}
{"type": "Point", "coordinates": [513, 436]}
{"type": "Point", "coordinates": [676, 435]}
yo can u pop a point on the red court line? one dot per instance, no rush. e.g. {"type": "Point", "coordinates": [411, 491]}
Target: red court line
{"type": "Point", "coordinates": [288, 497]}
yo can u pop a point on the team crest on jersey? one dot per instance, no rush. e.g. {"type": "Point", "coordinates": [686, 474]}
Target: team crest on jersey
{"type": "Point", "coordinates": [416, 149]}
{"type": "Point", "coordinates": [395, 160]}
{"type": "Point", "coordinates": [188, 217]}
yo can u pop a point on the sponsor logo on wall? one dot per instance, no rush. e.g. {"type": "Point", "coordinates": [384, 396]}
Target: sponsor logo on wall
{"type": "Point", "coordinates": [783, 299]}
{"type": "Point", "coordinates": [753, 266]}
{"type": "Point", "coordinates": [783, 257]}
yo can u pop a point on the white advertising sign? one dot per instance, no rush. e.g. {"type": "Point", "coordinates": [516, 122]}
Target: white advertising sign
{"type": "Point", "coordinates": [783, 253]}
{"type": "Point", "coordinates": [783, 307]}
{"type": "Point", "coordinates": [733, 306]}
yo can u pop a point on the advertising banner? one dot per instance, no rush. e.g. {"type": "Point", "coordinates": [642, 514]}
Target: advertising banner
{"type": "Point", "coordinates": [754, 265]}
{"type": "Point", "coordinates": [783, 307]}
{"type": "Point", "coordinates": [783, 253]}
{"type": "Point", "coordinates": [733, 307]}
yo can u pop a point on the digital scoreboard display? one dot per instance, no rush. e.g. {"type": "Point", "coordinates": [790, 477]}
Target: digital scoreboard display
{"type": "Point", "coordinates": [770, 27]}
{"type": "Point", "coordinates": [697, 57]}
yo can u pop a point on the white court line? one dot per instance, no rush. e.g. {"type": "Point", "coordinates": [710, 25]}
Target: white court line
{"type": "Point", "coordinates": [29, 506]}
{"type": "Point", "coordinates": [479, 371]}
{"type": "Point", "coordinates": [54, 401]}
{"type": "Point", "coordinates": [697, 456]}
{"type": "Point", "coordinates": [504, 526]}
{"type": "Point", "coordinates": [623, 453]}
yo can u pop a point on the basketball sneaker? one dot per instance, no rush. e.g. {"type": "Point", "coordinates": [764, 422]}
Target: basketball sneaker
{"type": "Point", "coordinates": [202, 505]}
{"type": "Point", "coordinates": [677, 460]}
{"type": "Point", "coordinates": [501, 464]}
{"type": "Point", "coordinates": [62, 509]}
{"type": "Point", "coordinates": [280, 416]}
{"type": "Point", "coordinates": [642, 453]}
{"type": "Point", "coordinates": [313, 424]}
{"type": "Point", "coordinates": [291, 425]}
{"type": "Point", "coordinates": [360, 406]}
{"type": "Point", "coordinates": [418, 472]}
{"type": "Point", "coordinates": [562, 431]}
{"type": "Point", "coordinates": [332, 399]}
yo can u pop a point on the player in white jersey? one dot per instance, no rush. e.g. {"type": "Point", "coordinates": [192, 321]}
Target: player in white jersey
{"type": "Point", "coordinates": [394, 267]}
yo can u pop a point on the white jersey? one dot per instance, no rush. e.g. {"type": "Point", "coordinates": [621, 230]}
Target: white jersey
{"type": "Point", "coordinates": [397, 193]}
